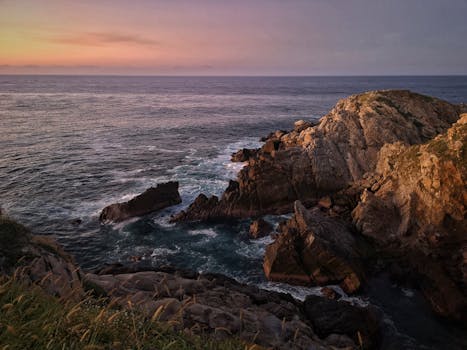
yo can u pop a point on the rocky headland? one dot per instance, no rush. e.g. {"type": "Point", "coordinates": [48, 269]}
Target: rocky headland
{"type": "Point", "coordinates": [384, 175]}
{"type": "Point", "coordinates": [314, 160]}
{"type": "Point", "coordinates": [378, 185]}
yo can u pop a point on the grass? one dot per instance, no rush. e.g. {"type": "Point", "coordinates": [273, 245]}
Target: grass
{"type": "Point", "coordinates": [32, 319]}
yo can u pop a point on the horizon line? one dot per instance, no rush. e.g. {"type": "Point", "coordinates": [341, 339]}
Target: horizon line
{"type": "Point", "coordinates": [236, 75]}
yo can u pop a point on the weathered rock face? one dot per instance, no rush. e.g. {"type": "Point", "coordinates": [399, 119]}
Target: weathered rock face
{"type": "Point", "coordinates": [213, 304]}
{"type": "Point", "coordinates": [37, 259]}
{"type": "Point", "coordinates": [260, 228]}
{"type": "Point", "coordinates": [243, 155]}
{"type": "Point", "coordinates": [314, 249]}
{"type": "Point", "coordinates": [313, 161]}
{"type": "Point", "coordinates": [417, 208]}
{"type": "Point", "coordinates": [153, 199]}
{"type": "Point", "coordinates": [361, 324]}
{"type": "Point", "coordinates": [54, 270]}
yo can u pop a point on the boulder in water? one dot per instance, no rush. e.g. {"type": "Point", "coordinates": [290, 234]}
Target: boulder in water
{"type": "Point", "coordinates": [153, 199]}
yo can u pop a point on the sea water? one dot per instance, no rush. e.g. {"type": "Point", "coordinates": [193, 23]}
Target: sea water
{"type": "Point", "coordinates": [70, 145]}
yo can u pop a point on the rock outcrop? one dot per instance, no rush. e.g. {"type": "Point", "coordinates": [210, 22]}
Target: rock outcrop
{"type": "Point", "coordinates": [243, 155]}
{"type": "Point", "coordinates": [260, 228]}
{"type": "Point", "coordinates": [417, 211]}
{"type": "Point", "coordinates": [312, 161]}
{"type": "Point", "coordinates": [361, 324]}
{"type": "Point", "coordinates": [151, 200]}
{"type": "Point", "coordinates": [315, 249]}
{"type": "Point", "coordinates": [214, 304]}
{"type": "Point", "coordinates": [38, 259]}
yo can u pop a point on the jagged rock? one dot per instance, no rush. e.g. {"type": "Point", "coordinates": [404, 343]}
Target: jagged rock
{"type": "Point", "coordinates": [243, 155]}
{"type": "Point", "coordinates": [301, 125]}
{"type": "Point", "coordinates": [362, 324]}
{"type": "Point", "coordinates": [325, 202]}
{"type": "Point", "coordinates": [202, 208]}
{"type": "Point", "coordinates": [417, 212]}
{"type": "Point", "coordinates": [216, 305]}
{"type": "Point", "coordinates": [54, 270]}
{"type": "Point", "coordinates": [260, 228]}
{"type": "Point", "coordinates": [314, 249]}
{"type": "Point", "coordinates": [329, 293]}
{"type": "Point", "coordinates": [153, 199]}
{"type": "Point", "coordinates": [37, 259]}
{"type": "Point", "coordinates": [323, 159]}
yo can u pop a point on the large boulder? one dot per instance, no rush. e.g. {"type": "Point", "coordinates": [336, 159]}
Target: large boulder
{"type": "Point", "coordinates": [361, 323]}
{"type": "Point", "coordinates": [37, 259]}
{"type": "Point", "coordinates": [314, 249]}
{"type": "Point", "coordinates": [153, 199]}
{"type": "Point", "coordinates": [416, 210]}
{"type": "Point", "coordinates": [312, 161]}
{"type": "Point", "coordinates": [260, 228]}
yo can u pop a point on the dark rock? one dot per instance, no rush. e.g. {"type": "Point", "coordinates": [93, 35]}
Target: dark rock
{"type": "Point", "coordinates": [361, 324]}
{"type": "Point", "coordinates": [214, 304]}
{"type": "Point", "coordinates": [314, 249]}
{"type": "Point", "coordinates": [153, 199]}
{"type": "Point", "coordinates": [329, 293]}
{"type": "Point", "coordinates": [76, 222]}
{"type": "Point", "coordinates": [243, 155]}
{"type": "Point", "coordinates": [260, 228]}
{"type": "Point", "coordinates": [202, 208]}
{"type": "Point", "coordinates": [325, 202]}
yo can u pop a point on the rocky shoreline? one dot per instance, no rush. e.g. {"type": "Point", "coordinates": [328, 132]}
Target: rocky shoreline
{"type": "Point", "coordinates": [386, 173]}
{"type": "Point", "coordinates": [377, 186]}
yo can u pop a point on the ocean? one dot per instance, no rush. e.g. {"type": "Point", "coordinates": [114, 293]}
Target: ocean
{"type": "Point", "coordinates": [70, 145]}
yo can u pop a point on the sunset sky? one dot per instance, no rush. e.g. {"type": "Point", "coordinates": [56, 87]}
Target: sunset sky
{"type": "Point", "coordinates": [256, 37]}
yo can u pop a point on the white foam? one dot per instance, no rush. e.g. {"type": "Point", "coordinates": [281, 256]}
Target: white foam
{"type": "Point", "coordinates": [408, 292]}
{"type": "Point", "coordinates": [254, 249]}
{"type": "Point", "coordinates": [206, 232]}
{"type": "Point", "coordinates": [163, 252]}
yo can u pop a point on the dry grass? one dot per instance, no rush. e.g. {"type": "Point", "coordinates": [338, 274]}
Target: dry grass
{"type": "Point", "coordinates": [31, 319]}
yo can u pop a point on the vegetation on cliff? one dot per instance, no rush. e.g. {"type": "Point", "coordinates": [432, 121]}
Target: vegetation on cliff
{"type": "Point", "coordinates": [32, 319]}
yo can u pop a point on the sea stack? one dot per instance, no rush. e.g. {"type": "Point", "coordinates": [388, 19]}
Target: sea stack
{"type": "Point", "coordinates": [151, 200]}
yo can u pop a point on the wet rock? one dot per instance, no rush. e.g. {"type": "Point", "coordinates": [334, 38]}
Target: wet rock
{"type": "Point", "coordinates": [314, 249]}
{"type": "Point", "coordinates": [76, 222]}
{"type": "Point", "coordinates": [153, 199]}
{"type": "Point", "coordinates": [202, 209]}
{"type": "Point", "coordinates": [260, 228]}
{"type": "Point", "coordinates": [329, 293]}
{"type": "Point", "coordinates": [331, 317]}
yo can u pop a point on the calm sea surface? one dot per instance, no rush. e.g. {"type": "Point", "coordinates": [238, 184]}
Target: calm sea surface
{"type": "Point", "coordinates": [70, 145]}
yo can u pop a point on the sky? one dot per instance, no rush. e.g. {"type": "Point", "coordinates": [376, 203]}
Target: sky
{"type": "Point", "coordinates": [222, 37]}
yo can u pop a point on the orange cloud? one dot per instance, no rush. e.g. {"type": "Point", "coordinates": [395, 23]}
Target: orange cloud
{"type": "Point", "coordinates": [102, 39]}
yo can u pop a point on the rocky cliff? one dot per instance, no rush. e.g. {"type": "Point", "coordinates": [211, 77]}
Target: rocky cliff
{"type": "Point", "coordinates": [313, 160]}
{"type": "Point", "coordinates": [392, 168]}
{"type": "Point", "coordinates": [417, 208]}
